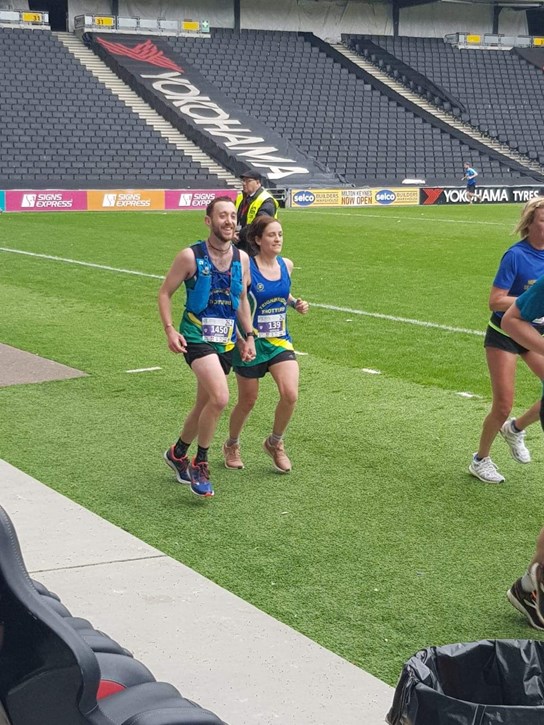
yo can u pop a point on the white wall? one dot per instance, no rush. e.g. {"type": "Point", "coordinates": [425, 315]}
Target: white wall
{"type": "Point", "coordinates": [220, 14]}
{"type": "Point", "coordinates": [327, 19]}
{"type": "Point", "coordinates": [436, 19]}
{"type": "Point", "coordinates": [13, 4]}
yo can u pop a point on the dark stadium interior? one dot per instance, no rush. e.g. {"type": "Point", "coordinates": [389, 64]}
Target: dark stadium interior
{"type": "Point", "coordinates": [60, 125]}
{"type": "Point", "coordinates": [499, 98]}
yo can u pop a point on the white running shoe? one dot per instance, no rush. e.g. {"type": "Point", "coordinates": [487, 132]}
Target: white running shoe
{"type": "Point", "coordinates": [485, 470]}
{"type": "Point", "coordinates": [516, 443]}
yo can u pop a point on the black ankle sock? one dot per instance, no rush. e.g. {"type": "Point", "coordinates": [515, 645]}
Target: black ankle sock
{"type": "Point", "coordinates": [181, 448]}
{"type": "Point", "coordinates": [201, 455]}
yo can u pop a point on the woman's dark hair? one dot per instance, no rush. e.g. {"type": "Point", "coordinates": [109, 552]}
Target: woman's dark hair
{"type": "Point", "coordinates": [257, 228]}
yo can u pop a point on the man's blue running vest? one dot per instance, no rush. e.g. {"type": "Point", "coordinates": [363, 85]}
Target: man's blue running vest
{"type": "Point", "coordinates": [199, 295]}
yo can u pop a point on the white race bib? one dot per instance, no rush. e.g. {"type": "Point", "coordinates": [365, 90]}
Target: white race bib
{"type": "Point", "coordinates": [271, 325]}
{"type": "Point", "coordinates": [217, 329]}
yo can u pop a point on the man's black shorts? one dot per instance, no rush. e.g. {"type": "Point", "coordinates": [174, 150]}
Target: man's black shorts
{"type": "Point", "coordinates": [201, 349]}
{"type": "Point", "coordinates": [260, 370]}
{"type": "Point", "coordinates": [502, 342]}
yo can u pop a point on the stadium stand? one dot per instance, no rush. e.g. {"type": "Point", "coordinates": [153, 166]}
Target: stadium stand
{"type": "Point", "coordinates": [52, 674]}
{"type": "Point", "coordinates": [348, 124]}
{"type": "Point", "coordinates": [60, 125]}
{"type": "Point", "coordinates": [497, 88]}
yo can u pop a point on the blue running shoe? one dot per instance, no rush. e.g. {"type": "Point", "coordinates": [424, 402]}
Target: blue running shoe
{"type": "Point", "coordinates": [200, 479]}
{"type": "Point", "coordinates": [178, 465]}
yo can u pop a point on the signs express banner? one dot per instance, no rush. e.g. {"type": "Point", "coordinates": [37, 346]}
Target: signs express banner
{"type": "Point", "coordinates": [48, 200]}
{"type": "Point", "coordinates": [125, 200]}
{"type": "Point", "coordinates": [194, 198]}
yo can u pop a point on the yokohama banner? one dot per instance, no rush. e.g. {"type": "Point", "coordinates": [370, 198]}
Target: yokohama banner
{"type": "Point", "coordinates": [485, 194]}
{"type": "Point", "coordinates": [181, 94]}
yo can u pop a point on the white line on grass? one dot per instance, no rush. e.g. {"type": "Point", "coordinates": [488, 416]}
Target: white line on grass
{"type": "Point", "coordinates": [143, 370]}
{"type": "Point", "coordinates": [333, 308]}
{"type": "Point", "coordinates": [394, 318]}
{"type": "Point", "coordinates": [81, 264]}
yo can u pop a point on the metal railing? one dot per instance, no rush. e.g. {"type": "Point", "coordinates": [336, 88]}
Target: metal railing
{"type": "Point", "coordinates": [150, 26]}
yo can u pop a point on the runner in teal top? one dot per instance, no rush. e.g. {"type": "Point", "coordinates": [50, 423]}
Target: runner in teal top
{"type": "Point", "coordinates": [269, 297]}
{"type": "Point", "coordinates": [521, 321]}
{"type": "Point", "coordinates": [520, 266]}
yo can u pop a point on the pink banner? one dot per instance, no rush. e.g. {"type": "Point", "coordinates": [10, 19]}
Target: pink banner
{"type": "Point", "coordinates": [49, 200]}
{"type": "Point", "coordinates": [194, 198]}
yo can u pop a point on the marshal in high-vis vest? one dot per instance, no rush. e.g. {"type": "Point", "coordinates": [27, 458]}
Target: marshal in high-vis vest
{"type": "Point", "coordinates": [251, 202]}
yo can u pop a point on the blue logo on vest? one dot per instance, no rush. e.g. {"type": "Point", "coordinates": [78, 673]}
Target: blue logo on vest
{"type": "Point", "coordinates": [304, 198]}
{"type": "Point", "coordinates": [385, 196]}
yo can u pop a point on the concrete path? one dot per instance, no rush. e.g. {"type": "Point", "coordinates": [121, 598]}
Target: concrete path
{"type": "Point", "coordinates": [215, 648]}
{"type": "Point", "coordinates": [18, 366]}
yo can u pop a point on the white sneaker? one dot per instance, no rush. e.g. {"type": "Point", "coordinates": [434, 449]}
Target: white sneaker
{"type": "Point", "coordinates": [485, 470]}
{"type": "Point", "coordinates": [516, 443]}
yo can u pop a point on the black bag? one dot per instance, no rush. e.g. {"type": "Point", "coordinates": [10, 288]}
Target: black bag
{"type": "Point", "coordinates": [492, 682]}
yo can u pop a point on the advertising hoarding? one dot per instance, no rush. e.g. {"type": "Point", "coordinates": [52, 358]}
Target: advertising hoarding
{"type": "Point", "coordinates": [125, 200]}
{"type": "Point", "coordinates": [48, 200]}
{"type": "Point", "coordinates": [184, 199]}
{"type": "Point", "coordinates": [366, 196]}
{"type": "Point", "coordinates": [486, 195]}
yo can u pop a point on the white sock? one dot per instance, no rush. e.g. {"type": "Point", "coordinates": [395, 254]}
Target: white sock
{"type": "Point", "coordinates": [527, 583]}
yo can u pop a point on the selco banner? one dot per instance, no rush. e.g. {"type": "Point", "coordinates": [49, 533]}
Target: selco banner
{"type": "Point", "coordinates": [200, 110]}
{"type": "Point", "coordinates": [49, 200]}
{"type": "Point", "coordinates": [125, 200]}
{"type": "Point", "coordinates": [315, 197]}
{"type": "Point", "coordinates": [395, 197]}
{"type": "Point", "coordinates": [194, 198]}
{"type": "Point", "coordinates": [354, 197]}
{"type": "Point", "coordinates": [485, 194]}
{"type": "Point", "coordinates": [2, 201]}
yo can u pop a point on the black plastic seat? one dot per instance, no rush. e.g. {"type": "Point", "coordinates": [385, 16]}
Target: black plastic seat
{"type": "Point", "coordinates": [50, 676]}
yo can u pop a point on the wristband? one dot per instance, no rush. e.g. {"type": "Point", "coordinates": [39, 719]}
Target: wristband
{"type": "Point", "coordinates": [250, 334]}
{"type": "Point", "coordinates": [293, 303]}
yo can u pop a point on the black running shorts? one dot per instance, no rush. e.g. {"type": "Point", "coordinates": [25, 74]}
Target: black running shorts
{"type": "Point", "coordinates": [201, 349]}
{"type": "Point", "coordinates": [260, 370]}
{"type": "Point", "coordinates": [502, 342]}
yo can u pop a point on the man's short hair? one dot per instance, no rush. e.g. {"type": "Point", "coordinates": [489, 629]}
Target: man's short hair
{"type": "Point", "coordinates": [213, 202]}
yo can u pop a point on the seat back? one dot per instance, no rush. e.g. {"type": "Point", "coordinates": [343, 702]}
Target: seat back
{"type": "Point", "coordinates": [48, 675]}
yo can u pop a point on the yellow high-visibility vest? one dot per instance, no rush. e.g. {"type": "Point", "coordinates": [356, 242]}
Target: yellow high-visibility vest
{"type": "Point", "coordinates": [256, 204]}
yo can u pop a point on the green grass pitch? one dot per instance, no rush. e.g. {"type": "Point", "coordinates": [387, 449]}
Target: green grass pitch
{"type": "Point", "coordinates": [379, 542]}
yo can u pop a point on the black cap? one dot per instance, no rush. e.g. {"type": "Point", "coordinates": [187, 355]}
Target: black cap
{"type": "Point", "coordinates": [251, 175]}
